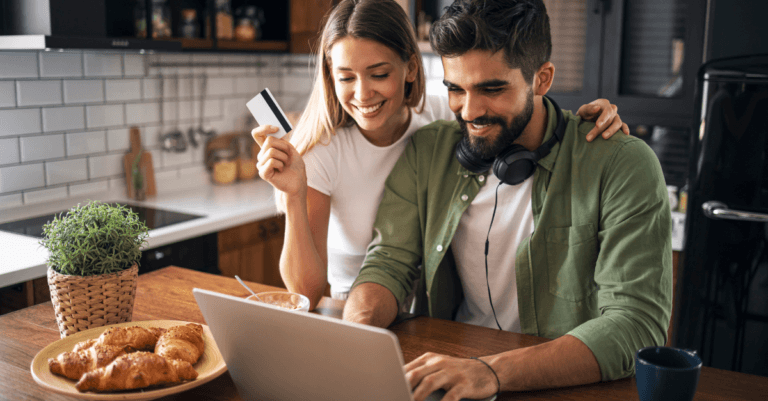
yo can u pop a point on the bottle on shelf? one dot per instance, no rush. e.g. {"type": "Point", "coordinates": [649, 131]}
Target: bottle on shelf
{"type": "Point", "coordinates": [224, 20]}
{"type": "Point", "coordinates": [161, 19]}
{"type": "Point", "coordinates": [189, 23]}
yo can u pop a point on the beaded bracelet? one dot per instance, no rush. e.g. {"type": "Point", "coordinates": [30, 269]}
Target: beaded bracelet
{"type": "Point", "coordinates": [492, 371]}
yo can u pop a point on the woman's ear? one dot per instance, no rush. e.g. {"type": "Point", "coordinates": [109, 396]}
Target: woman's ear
{"type": "Point", "coordinates": [543, 79]}
{"type": "Point", "coordinates": [412, 69]}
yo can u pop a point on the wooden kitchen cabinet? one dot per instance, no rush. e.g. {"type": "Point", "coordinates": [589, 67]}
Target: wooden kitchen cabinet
{"type": "Point", "coordinates": [252, 251]}
{"type": "Point", "coordinates": [23, 295]}
{"type": "Point", "coordinates": [307, 17]}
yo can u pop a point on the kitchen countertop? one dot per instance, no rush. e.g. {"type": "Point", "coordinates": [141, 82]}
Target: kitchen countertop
{"type": "Point", "coordinates": [223, 207]}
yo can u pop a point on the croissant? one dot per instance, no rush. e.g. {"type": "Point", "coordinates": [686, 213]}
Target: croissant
{"type": "Point", "coordinates": [136, 370]}
{"type": "Point", "coordinates": [182, 342]}
{"type": "Point", "coordinates": [138, 338]}
{"type": "Point", "coordinates": [73, 364]}
{"type": "Point", "coordinates": [84, 345]}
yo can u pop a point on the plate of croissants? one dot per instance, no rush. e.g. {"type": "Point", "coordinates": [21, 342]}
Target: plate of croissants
{"type": "Point", "coordinates": [130, 361]}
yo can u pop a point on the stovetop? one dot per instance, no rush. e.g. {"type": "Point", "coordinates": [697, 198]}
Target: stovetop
{"type": "Point", "coordinates": [152, 217]}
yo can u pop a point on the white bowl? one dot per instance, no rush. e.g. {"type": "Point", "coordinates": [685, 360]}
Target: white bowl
{"type": "Point", "coordinates": [283, 299]}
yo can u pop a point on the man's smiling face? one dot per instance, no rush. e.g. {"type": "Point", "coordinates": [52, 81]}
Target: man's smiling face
{"type": "Point", "coordinates": [492, 102]}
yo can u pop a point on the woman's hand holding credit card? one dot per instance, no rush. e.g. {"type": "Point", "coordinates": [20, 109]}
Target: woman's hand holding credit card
{"type": "Point", "coordinates": [278, 161]}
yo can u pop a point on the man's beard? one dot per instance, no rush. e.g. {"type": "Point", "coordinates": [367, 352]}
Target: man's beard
{"type": "Point", "coordinates": [482, 147]}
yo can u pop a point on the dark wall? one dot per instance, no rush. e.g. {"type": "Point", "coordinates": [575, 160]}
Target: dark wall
{"type": "Point", "coordinates": [738, 27]}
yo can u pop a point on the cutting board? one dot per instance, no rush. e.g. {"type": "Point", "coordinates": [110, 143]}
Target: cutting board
{"type": "Point", "coordinates": [145, 166]}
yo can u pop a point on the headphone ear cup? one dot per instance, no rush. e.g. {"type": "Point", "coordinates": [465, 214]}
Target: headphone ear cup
{"type": "Point", "coordinates": [515, 165]}
{"type": "Point", "coordinates": [471, 162]}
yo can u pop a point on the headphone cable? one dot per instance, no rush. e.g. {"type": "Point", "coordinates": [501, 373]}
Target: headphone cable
{"type": "Point", "coordinates": [487, 242]}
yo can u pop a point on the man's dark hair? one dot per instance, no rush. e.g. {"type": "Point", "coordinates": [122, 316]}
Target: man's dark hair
{"type": "Point", "coordinates": [519, 27]}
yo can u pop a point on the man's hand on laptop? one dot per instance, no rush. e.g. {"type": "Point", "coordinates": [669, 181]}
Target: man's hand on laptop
{"type": "Point", "coordinates": [460, 377]}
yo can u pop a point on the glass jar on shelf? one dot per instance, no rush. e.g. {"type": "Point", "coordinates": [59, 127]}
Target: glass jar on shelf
{"type": "Point", "coordinates": [189, 23]}
{"type": "Point", "coordinates": [224, 20]}
{"type": "Point", "coordinates": [140, 19]}
{"type": "Point", "coordinates": [161, 19]}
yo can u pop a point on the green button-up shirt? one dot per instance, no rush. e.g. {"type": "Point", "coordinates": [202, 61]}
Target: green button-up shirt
{"type": "Point", "coordinates": [598, 265]}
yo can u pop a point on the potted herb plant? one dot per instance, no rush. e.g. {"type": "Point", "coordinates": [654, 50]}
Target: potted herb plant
{"type": "Point", "coordinates": [93, 265]}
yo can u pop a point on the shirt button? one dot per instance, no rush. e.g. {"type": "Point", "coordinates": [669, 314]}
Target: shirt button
{"type": "Point", "coordinates": [481, 178]}
{"type": "Point", "coordinates": [466, 175]}
{"type": "Point", "coordinates": [464, 197]}
{"type": "Point", "coordinates": [439, 248]}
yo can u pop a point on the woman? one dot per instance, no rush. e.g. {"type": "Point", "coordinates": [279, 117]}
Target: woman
{"type": "Point", "coordinates": [367, 100]}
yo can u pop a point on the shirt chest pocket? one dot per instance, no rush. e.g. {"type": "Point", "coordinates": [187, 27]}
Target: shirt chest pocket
{"type": "Point", "coordinates": [571, 257]}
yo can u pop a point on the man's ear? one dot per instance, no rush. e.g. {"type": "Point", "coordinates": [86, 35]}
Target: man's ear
{"type": "Point", "coordinates": [542, 81]}
{"type": "Point", "coordinates": [413, 69]}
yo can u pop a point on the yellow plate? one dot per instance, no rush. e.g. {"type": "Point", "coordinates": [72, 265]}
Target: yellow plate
{"type": "Point", "coordinates": [210, 366]}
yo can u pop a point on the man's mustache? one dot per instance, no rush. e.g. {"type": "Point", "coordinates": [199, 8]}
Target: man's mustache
{"type": "Point", "coordinates": [481, 120]}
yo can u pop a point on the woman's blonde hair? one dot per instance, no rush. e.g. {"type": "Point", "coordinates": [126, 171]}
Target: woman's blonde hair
{"type": "Point", "coordinates": [383, 21]}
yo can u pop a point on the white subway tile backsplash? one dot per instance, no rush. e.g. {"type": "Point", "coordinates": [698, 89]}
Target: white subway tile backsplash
{"type": "Point", "coordinates": [142, 113]}
{"type": "Point", "coordinates": [106, 166]}
{"type": "Point", "coordinates": [272, 82]}
{"type": "Point", "coordinates": [44, 147]}
{"type": "Point", "coordinates": [38, 93]}
{"type": "Point", "coordinates": [65, 64]}
{"type": "Point", "coordinates": [220, 86]}
{"type": "Point", "coordinates": [123, 89]}
{"type": "Point", "coordinates": [212, 108]}
{"type": "Point", "coordinates": [89, 188]}
{"type": "Point", "coordinates": [176, 159]}
{"type": "Point", "coordinates": [45, 195]}
{"type": "Point", "coordinates": [247, 85]}
{"type": "Point", "coordinates": [7, 94]}
{"type": "Point", "coordinates": [188, 110]}
{"type": "Point", "coordinates": [117, 183]}
{"type": "Point", "coordinates": [83, 143]}
{"type": "Point", "coordinates": [63, 118]}
{"type": "Point", "coordinates": [66, 171]}
{"type": "Point", "coordinates": [134, 64]}
{"type": "Point", "coordinates": [296, 84]}
{"type": "Point", "coordinates": [9, 151]}
{"type": "Point", "coordinates": [17, 178]}
{"type": "Point", "coordinates": [83, 91]}
{"type": "Point", "coordinates": [19, 122]}
{"type": "Point", "coordinates": [18, 65]}
{"type": "Point", "coordinates": [9, 201]}
{"type": "Point", "coordinates": [103, 64]}
{"type": "Point", "coordinates": [118, 139]}
{"type": "Point", "coordinates": [104, 116]}
{"type": "Point", "coordinates": [151, 88]}
{"type": "Point", "coordinates": [74, 161]}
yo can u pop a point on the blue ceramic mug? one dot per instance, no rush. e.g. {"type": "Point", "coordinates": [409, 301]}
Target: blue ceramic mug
{"type": "Point", "coordinates": [666, 373]}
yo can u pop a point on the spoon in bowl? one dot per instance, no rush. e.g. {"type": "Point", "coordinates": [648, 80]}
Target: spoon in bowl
{"type": "Point", "coordinates": [246, 287]}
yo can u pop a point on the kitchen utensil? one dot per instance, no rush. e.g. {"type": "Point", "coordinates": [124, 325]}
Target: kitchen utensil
{"type": "Point", "coordinates": [174, 141]}
{"type": "Point", "coordinates": [144, 166]}
{"type": "Point", "coordinates": [200, 135]}
{"type": "Point", "coordinates": [246, 287]}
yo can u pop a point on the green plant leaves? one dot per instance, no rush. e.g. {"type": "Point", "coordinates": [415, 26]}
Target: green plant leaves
{"type": "Point", "coordinates": [97, 238]}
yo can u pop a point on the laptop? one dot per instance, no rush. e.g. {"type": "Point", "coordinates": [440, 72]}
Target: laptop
{"type": "Point", "coordinates": [279, 354]}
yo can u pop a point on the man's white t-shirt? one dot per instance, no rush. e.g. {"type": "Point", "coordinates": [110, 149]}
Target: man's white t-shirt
{"type": "Point", "coordinates": [352, 172]}
{"type": "Point", "coordinates": [511, 225]}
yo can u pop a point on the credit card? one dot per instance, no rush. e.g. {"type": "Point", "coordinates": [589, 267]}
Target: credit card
{"type": "Point", "coordinates": [266, 111]}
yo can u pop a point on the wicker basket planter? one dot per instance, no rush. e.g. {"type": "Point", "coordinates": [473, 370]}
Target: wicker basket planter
{"type": "Point", "coordinates": [84, 302]}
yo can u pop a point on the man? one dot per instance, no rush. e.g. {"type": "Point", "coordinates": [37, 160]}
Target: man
{"type": "Point", "coordinates": [579, 252]}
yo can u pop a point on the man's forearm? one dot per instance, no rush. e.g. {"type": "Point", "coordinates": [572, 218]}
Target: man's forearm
{"type": "Point", "coordinates": [371, 304]}
{"type": "Point", "coordinates": [565, 361]}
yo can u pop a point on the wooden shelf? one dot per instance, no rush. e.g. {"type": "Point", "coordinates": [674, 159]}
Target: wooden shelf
{"type": "Point", "coordinates": [228, 45]}
{"type": "Point", "coordinates": [194, 43]}
{"type": "Point", "coordinates": [259, 45]}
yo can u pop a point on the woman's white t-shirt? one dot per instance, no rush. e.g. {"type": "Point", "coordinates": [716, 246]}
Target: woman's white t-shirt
{"type": "Point", "coordinates": [352, 172]}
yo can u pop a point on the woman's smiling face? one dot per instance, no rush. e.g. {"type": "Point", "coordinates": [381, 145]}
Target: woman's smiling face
{"type": "Point", "coordinates": [369, 80]}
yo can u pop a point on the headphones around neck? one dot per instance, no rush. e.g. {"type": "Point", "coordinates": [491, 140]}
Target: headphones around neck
{"type": "Point", "coordinates": [516, 163]}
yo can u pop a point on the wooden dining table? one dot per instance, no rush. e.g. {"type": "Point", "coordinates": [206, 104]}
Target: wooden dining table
{"type": "Point", "coordinates": [167, 294]}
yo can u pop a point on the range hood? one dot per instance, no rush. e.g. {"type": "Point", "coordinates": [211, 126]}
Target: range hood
{"type": "Point", "coordinates": [68, 24]}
